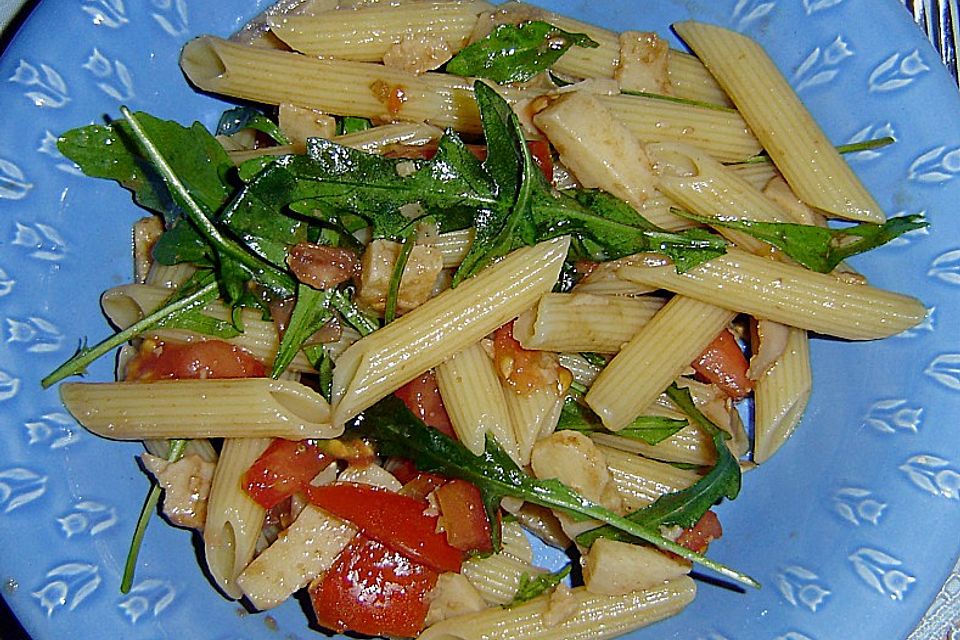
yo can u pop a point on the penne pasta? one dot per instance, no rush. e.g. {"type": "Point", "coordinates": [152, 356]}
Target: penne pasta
{"type": "Point", "coordinates": [720, 132]}
{"type": "Point", "coordinates": [367, 33]}
{"type": "Point", "coordinates": [788, 132]}
{"type": "Point", "coordinates": [127, 304]}
{"type": "Point", "coordinates": [688, 77]}
{"type": "Point", "coordinates": [530, 621]}
{"type": "Point", "coordinates": [387, 359]}
{"type": "Point", "coordinates": [234, 520]}
{"type": "Point", "coordinates": [238, 408]}
{"type": "Point", "coordinates": [475, 400]}
{"type": "Point", "coordinates": [584, 322]}
{"type": "Point", "coordinates": [338, 87]}
{"type": "Point", "coordinates": [662, 349]}
{"type": "Point", "coordinates": [640, 480]}
{"type": "Point", "coordinates": [787, 294]}
{"type": "Point", "coordinates": [690, 445]}
{"type": "Point", "coordinates": [780, 396]}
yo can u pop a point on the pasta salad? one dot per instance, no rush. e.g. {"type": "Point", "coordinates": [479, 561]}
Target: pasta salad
{"type": "Point", "coordinates": [471, 272]}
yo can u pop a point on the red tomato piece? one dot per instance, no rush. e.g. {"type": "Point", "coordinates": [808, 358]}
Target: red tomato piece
{"type": "Point", "coordinates": [422, 397]}
{"type": "Point", "coordinates": [540, 150]}
{"type": "Point", "coordinates": [698, 537]}
{"type": "Point", "coordinates": [463, 517]}
{"type": "Point", "coordinates": [723, 364]}
{"type": "Point", "coordinates": [374, 590]}
{"type": "Point", "coordinates": [193, 360]}
{"type": "Point", "coordinates": [286, 467]}
{"type": "Point", "coordinates": [390, 518]}
{"type": "Point", "coordinates": [525, 370]}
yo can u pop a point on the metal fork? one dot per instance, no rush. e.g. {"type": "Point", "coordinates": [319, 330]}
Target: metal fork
{"type": "Point", "coordinates": [940, 20]}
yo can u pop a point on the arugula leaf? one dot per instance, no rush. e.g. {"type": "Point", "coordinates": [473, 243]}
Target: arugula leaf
{"type": "Point", "coordinates": [112, 152]}
{"type": "Point", "coordinates": [323, 363]}
{"type": "Point", "coordinates": [181, 243]}
{"type": "Point", "coordinates": [400, 433]}
{"type": "Point", "coordinates": [193, 318]}
{"type": "Point", "coordinates": [311, 310]}
{"type": "Point", "coordinates": [528, 210]}
{"type": "Point", "coordinates": [853, 147]}
{"type": "Point", "coordinates": [531, 587]}
{"type": "Point", "coordinates": [560, 213]}
{"type": "Point", "coordinates": [818, 248]}
{"type": "Point", "coordinates": [516, 53]}
{"type": "Point", "coordinates": [393, 290]}
{"type": "Point", "coordinates": [174, 453]}
{"type": "Point", "coordinates": [684, 507]}
{"type": "Point", "coordinates": [352, 124]}
{"type": "Point", "coordinates": [650, 429]}
{"type": "Point", "coordinates": [182, 302]}
{"type": "Point", "coordinates": [676, 100]}
{"type": "Point", "coordinates": [340, 178]}
{"type": "Point", "coordinates": [240, 118]}
{"type": "Point", "coordinates": [237, 265]}
{"type": "Point", "coordinates": [507, 225]}
{"type": "Point", "coordinates": [364, 324]}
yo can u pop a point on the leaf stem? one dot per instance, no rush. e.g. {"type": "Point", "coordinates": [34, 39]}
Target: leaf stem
{"type": "Point", "coordinates": [393, 292]}
{"type": "Point", "coordinates": [79, 362]}
{"type": "Point", "coordinates": [153, 497]}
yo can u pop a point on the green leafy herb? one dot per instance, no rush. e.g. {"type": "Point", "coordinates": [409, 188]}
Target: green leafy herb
{"type": "Point", "coordinates": [311, 310]}
{"type": "Point", "coordinates": [684, 508]}
{"type": "Point", "coordinates": [676, 100]}
{"type": "Point", "coordinates": [400, 433]}
{"type": "Point", "coordinates": [239, 118]}
{"type": "Point", "coordinates": [364, 324]}
{"type": "Point", "coordinates": [507, 225]}
{"type": "Point", "coordinates": [111, 152]}
{"type": "Point", "coordinates": [595, 359]}
{"type": "Point", "coordinates": [352, 124]}
{"type": "Point", "coordinates": [393, 291]}
{"type": "Point", "coordinates": [323, 364]}
{"type": "Point", "coordinates": [854, 147]}
{"type": "Point", "coordinates": [531, 587]}
{"type": "Point", "coordinates": [153, 497]}
{"type": "Point", "coordinates": [516, 53]}
{"type": "Point", "coordinates": [650, 429]}
{"type": "Point", "coordinates": [527, 210]}
{"type": "Point", "coordinates": [237, 265]}
{"type": "Point", "coordinates": [333, 177]}
{"type": "Point", "coordinates": [181, 303]}
{"type": "Point", "coordinates": [818, 248]}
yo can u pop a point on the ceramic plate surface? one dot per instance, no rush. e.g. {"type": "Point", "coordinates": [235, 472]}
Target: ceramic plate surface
{"type": "Point", "coordinates": [852, 528]}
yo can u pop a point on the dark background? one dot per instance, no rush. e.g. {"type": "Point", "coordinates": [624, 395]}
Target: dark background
{"type": "Point", "coordinates": [10, 629]}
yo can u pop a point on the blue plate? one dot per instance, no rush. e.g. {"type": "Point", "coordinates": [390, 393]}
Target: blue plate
{"type": "Point", "coordinates": [852, 528]}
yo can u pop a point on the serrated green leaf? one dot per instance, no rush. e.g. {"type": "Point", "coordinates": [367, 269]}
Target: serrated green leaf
{"type": "Point", "coordinates": [818, 248]}
{"type": "Point", "coordinates": [516, 53]}
{"type": "Point", "coordinates": [684, 508]}
{"type": "Point", "coordinates": [399, 433]}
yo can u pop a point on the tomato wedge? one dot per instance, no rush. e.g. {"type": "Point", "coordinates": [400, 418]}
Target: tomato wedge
{"type": "Point", "coordinates": [463, 517]}
{"type": "Point", "coordinates": [390, 518]}
{"type": "Point", "coordinates": [193, 360]}
{"type": "Point", "coordinates": [422, 397]}
{"type": "Point", "coordinates": [286, 467]}
{"type": "Point", "coordinates": [698, 537]}
{"type": "Point", "coordinates": [374, 590]}
{"type": "Point", "coordinates": [723, 364]}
